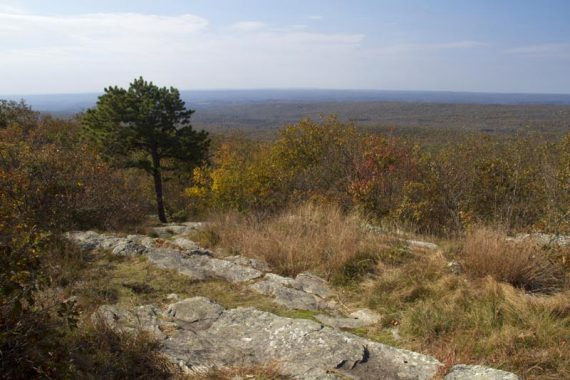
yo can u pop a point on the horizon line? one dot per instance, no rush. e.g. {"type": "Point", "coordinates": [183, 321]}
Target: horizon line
{"type": "Point", "coordinates": [309, 89]}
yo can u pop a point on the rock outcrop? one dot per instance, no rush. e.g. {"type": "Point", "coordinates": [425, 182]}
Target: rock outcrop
{"type": "Point", "coordinates": [199, 334]}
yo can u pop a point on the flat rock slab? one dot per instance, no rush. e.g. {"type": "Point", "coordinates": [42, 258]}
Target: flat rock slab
{"type": "Point", "coordinates": [306, 292]}
{"type": "Point", "coordinates": [196, 263]}
{"type": "Point", "coordinates": [199, 334]}
{"type": "Point", "coordinates": [358, 319]}
{"type": "Point", "coordinates": [422, 244]}
{"type": "Point", "coordinates": [477, 372]}
{"type": "Point", "coordinates": [202, 267]}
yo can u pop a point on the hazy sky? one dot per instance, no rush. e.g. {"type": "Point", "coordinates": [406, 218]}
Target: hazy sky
{"type": "Point", "coordinates": [461, 45]}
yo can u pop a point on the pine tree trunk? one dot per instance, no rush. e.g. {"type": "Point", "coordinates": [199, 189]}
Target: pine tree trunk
{"type": "Point", "coordinates": [157, 175]}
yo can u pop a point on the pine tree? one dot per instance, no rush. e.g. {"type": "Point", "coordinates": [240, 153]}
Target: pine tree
{"type": "Point", "coordinates": [143, 126]}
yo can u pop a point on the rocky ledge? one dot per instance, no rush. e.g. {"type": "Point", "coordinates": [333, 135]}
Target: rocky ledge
{"type": "Point", "coordinates": [198, 334]}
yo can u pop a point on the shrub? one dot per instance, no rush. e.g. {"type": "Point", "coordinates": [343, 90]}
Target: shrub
{"type": "Point", "coordinates": [316, 158]}
{"type": "Point", "coordinates": [525, 266]}
{"type": "Point", "coordinates": [308, 160]}
{"type": "Point", "coordinates": [381, 169]}
{"type": "Point", "coordinates": [50, 180]}
{"type": "Point", "coordinates": [482, 180]}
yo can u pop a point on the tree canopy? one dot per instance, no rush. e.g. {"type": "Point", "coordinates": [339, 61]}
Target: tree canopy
{"type": "Point", "coordinates": [146, 126]}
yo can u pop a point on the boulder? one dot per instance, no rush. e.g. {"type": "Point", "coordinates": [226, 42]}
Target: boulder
{"type": "Point", "coordinates": [542, 238]}
{"type": "Point", "coordinates": [174, 229]}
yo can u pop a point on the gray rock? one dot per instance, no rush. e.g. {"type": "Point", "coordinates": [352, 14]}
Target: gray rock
{"type": "Point", "coordinates": [280, 289]}
{"type": "Point", "coordinates": [128, 247]}
{"type": "Point", "coordinates": [201, 267]}
{"type": "Point", "coordinates": [172, 297]}
{"type": "Point", "coordinates": [357, 319]}
{"type": "Point", "coordinates": [207, 336]}
{"type": "Point", "coordinates": [195, 313]}
{"type": "Point", "coordinates": [313, 284]}
{"type": "Point", "coordinates": [197, 263]}
{"type": "Point", "coordinates": [91, 240]}
{"type": "Point", "coordinates": [542, 238]}
{"type": "Point", "coordinates": [173, 259]}
{"type": "Point", "coordinates": [173, 229]}
{"type": "Point", "coordinates": [385, 362]}
{"type": "Point", "coordinates": [186, 244]}
{"type": "Point", "coordinates": [455, 268]}
{"type": "Point", "coordinates": [306, 292]}
{"type": "Point", "coordinates": [422, 244]}
{"type": "Point", "coordinates": [247, 262]}
{"type": "Point", "coordinates": [143, 240]}
{"type": "Point", "coordinates": [477, 372]}
{"type": "Point", "coordinates": [366, 315]}
{"type": "Point", "coordinates": [141, 318]}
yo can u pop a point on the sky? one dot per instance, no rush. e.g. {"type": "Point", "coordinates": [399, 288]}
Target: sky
{"type": "Point", "coordinates": [72, 46]}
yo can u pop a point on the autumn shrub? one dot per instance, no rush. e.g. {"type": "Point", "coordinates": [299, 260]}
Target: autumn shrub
{"type": "Point", "coordinates": [555, 173]}
{"type": "Point", "coordinates": [51, 180]}
{"type": "Point", "coordinates": [382, 167]}
{"type": "Point", "coordinates": [308, 160]}
{"type": "Point", "coordinates": [13, 113]}
{"type": "Point", "coordinates": [430, 203]}
{"type": "Point", "coordinates": [242, 177]}
{"type": "Point", "coordinates": [316, 158]}
{"type": "Point", "coordinates": [482, 180]}
{"type": "Point", "coordinates": [31, 326]}
{"type": "Point", "coordinates": [523, 265]}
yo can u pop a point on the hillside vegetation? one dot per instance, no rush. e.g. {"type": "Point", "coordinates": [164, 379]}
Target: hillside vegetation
{"type": "Point", "coordinates": [323, 196]}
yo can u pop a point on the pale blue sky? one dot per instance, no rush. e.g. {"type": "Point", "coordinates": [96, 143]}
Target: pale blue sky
{"type": "Point", "coordinates": [85, 45]}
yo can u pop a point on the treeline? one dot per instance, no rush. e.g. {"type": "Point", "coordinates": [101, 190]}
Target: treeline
{"type": "Point", "coordinates": [519, 183]}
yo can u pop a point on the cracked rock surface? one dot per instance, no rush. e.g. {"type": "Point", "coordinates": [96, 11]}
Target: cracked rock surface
{"type": "Point", "coordinates": [199, 334]}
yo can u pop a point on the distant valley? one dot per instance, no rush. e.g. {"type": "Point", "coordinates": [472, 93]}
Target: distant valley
{"type": "Point", "coordinates": [261, 112]}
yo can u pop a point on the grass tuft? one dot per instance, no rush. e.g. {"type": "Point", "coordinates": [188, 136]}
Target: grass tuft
{"type": "Point", "coordinates": [524, 265]}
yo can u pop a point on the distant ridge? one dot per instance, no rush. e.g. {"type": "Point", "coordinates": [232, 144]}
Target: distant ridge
{"type": "Point", "coordinates": [73, 103]}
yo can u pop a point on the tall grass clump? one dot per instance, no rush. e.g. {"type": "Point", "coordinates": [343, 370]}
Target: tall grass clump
{"type": "Point", "coordinates": [527, 266]}
{"type": "Point", "coordinates": [318, 238]}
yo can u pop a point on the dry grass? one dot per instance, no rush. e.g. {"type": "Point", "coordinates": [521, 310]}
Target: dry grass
{"type": "Point", "coordinates": [99, 352]}
{"type": "Point", "coordinates": [488, 253]}
{"type": "Point", "coordinates": [466, 319]}
{"type": "Point", "coordinates": [321, 239]}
